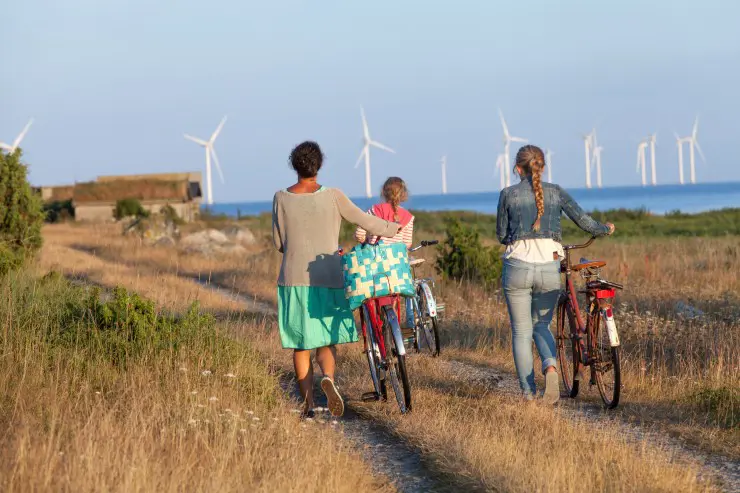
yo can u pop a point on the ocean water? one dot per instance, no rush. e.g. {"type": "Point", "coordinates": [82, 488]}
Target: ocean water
{"type": "Point", "coordinates": [658, 200]}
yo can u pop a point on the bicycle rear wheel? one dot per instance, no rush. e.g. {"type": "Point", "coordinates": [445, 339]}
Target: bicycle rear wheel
{"type": "Point", "coordinates": [396, 361]}
{"type": "Point", "coordinates": [566, 326]}
{"type": "Point", "coordinates": [428, 325]}
{"type": "Point", "coordinates": [606, 366]}
{"type": "Point", "coordinates": [373, 357]}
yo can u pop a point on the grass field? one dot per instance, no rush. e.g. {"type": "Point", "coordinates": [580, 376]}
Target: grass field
{"type": "Point", "coordinates": [682, 371]}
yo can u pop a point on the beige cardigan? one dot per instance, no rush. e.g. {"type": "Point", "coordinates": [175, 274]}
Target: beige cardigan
{"type": "Point", "coordinates": [305, 229]}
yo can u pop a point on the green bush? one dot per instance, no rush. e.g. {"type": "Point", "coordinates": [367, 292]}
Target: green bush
{"type": "Point", "coordinates": [463, 256]}
{"type": "Point", "coordinates": [171, 216]}
{"type": "Point", "coordinates": [721, 403]}
{"type": "Point", "coordinates": [21, 215]}
{"type": "Point", "coordinates": [59, 211]}
{"type": "Point", "coordinates": [127, 325]}
{"type": "Point", "coordinates": [129, 208]}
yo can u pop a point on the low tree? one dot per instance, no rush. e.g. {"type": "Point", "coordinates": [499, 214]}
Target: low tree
{"type": "Point", "coordinates": [129, 208]}
{"type": "Point", "coordinates": [21, 214]}
{"type": "Point", "coordinates": [463, 255]}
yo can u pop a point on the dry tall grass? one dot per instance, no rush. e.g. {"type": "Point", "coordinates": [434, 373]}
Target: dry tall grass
{"type": "Point", "coordinates": [209, 416]}
{"type": "Point", "coordinates": [493, 440]}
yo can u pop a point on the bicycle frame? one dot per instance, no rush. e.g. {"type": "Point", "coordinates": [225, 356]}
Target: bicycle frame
{"type": "Point", "coordinates": [570, 292]}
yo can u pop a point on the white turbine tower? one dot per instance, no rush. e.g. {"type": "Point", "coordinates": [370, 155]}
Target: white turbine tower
{"type": "Point", "coordinates": [679, 144]}
{"type": "Point", "coordinates": [641, 160]}
{"type": "Point", "coordinates": [597, 163]}
{"type": "Point", "coordinates": [548, 164]}
{"type": "Point", "coordinates": [444, 175]}
{"type": "Point", "coordinates": [653, 172]}
{"type": "Point", "coordinates": [210, 151]}
{"type": "Point", "coordinates": [366, 152]}
{"type": "Point", "coordinates": [589, 141]}
{"type": "Point", "coordinates": [500, 169]}
{"type": "Point", "coordinates": [508, 139]}
{"type": "Point", "coordinates": [693, 144]}
{"type": "Point", "coordinates": [17, 142]}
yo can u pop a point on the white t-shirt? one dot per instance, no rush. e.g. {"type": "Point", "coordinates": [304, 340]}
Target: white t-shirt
{"type": "Point", "coordinates": [535, 251]}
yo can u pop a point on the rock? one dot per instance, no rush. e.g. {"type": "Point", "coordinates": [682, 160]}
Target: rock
{"type": "Point", "coordinates": [164, 241]}
{"type": "Point", "coordinates": [205, 237]}
{"type": "Point", "coordinates": [231, 250]}
{"type": "Point", "coordinates": [241, 235]}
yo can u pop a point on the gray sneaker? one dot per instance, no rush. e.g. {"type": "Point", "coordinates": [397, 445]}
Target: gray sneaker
{"type": "Point", "coordinates": [334, 400]}
{"type": "Point", "coordinates": [552, 388]}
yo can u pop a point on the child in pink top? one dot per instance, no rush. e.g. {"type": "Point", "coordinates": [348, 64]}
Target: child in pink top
{"type": "Point", "coordinates": [394, 193]}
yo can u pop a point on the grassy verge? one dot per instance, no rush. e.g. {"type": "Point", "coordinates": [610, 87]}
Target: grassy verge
{"type": "Point", "coordinates": [116, 396]}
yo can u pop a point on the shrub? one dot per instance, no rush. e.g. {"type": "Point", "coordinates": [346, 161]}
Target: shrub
{"type": "Point", "coordinates": [21, 215]}
{"type": "Point", "coordinates": [59, 211]}
{"type": "Point", "coordinates": [463, 256]}
{"type": "Point", "coordinates": [170, 216]}
{"type": "Point", "coordinates": [721, 403]}
{"type": "Point", "coordinates": [129, 208]}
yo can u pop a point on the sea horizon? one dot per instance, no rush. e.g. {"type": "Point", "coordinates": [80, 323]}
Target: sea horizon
{"type": "Point", "coordinates": [659, 199]}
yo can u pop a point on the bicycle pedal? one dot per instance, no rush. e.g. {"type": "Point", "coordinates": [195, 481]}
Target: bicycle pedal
{"type": "Point", "coordinates": [370, 396]}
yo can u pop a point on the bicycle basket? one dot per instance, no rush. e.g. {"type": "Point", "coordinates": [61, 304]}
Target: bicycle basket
{"type": "Point", "coordinates": [371, 271]}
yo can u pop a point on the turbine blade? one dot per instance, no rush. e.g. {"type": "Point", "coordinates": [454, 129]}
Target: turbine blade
{"type": "Point", "coordinates": [696, 127]}
{"type": "Point", "coordinates": [381, 146]}
{"type": "Point", "coordinates": [365, 129]}
{"type": "Point", "coordinates": [20, 137]}
{"type": "Point", "coordinates": [503, 124]}
{"type": "Point", "coordinates": [196, 140]}
{"type": "Point", "coordinates": [5, 146]}
{"type": "Point", "coordinates": [698, 148]}
{"type": "Point", "coordinates": [218, 165]}
{"type": "Point", "coordinates": [362, 155]}
{"type": "Point", "coordinates": [678, 139]}
{"type": "Point", "coordinates": [518, 139]}
{"type": "Point", "coordinates": [218, 130]}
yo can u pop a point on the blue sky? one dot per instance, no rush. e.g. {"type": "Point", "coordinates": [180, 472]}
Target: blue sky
{"type": "Point", "coordinates": [114, 84]}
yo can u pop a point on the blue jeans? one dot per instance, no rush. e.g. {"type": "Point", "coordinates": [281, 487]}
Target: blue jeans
{"type": "Point", "coordinates": [532, 292]}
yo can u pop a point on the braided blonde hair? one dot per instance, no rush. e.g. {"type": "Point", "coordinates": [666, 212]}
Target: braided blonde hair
{"type": "Point", "coordinates": [530, 161]}
{"type": "Point", "coordinates": [394, 192]}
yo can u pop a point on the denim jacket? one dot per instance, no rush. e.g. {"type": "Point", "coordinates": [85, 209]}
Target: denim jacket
{"type": "Point", "coordinates": [517, 212]}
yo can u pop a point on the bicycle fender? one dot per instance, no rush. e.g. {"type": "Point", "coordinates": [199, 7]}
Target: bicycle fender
{"type": "Point", "coordinates": [396, 330]}
{"type": "Point", "coordinates": [431, 304]}
{"type": "Point", "coordinates": [611, 327]}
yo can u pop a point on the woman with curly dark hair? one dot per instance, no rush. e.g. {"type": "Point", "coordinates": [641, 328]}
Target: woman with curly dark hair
{"type": "Point", "coordinates": [313, 312]}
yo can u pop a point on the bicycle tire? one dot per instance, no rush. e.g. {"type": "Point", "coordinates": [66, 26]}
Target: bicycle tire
{"type": "Point", "coordinates": [567, 347]}
{"type": "Point", "coordinates": [431, 334]}
{"type": "Point", "coordinates": [606, 360]}
{"type": "Point", "coordinates": [396, 362]}
{"type": "Point", "coordinates": [372, 358]}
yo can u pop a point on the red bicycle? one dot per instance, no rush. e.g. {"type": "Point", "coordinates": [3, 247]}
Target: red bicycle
{"type": "Point", "coordinates": [595, 341]}
{"type": "Point", "coordinates": [386, 354]}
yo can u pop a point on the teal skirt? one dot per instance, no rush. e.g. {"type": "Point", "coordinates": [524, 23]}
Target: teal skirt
{"type": "Point", "coordinates": [313, 317]}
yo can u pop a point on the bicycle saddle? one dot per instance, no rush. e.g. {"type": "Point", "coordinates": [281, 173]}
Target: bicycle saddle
{"type": "Point", "coordinates": [588, 264]}
{"type": "Point", "coordinates": [413, 262]}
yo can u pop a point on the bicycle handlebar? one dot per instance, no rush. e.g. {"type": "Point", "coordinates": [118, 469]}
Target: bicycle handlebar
{"type": "Point", "coordinates": [423, 244]}
{"type": "Point", "coordinates": [579, 247]}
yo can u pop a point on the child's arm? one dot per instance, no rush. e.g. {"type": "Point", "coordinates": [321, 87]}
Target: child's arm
{"type": "Point", "coordinates": [360, 233]}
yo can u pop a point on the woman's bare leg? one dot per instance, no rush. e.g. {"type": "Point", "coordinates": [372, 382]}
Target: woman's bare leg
{"type": "Point", "coordinates": [327, 358]}
{"type": "Point", "coordinates": [304, 374]}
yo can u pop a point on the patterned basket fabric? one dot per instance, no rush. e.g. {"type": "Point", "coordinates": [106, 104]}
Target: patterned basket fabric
{"type": "Point", "coordinates": [376, 270]}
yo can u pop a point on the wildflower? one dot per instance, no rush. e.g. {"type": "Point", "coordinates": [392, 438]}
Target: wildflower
{"type": "Point", "coordinates": [230, 375]}
{"type": "Point", "coordinates": [192, 422]}
{"type": "Point", "coordinates": [206, 373]}
{"type": "Point", "coordinates": [334, 422]}
{"type": "Point", "coordinates": [183, 369]}
{"type": "Point", "coordinates": [243, 430]}
{"type": "Point", "coordinates": [249, 412]}
{"type": "Point", "coordinates": [193, 392]}
{"type": "Point", "coordinates": [97, 392]}
{"type": "Point", "coordinates": [255, 418]}
{"type": "Point", "coordinates": [201, 406]}
{"type": "Point", "coordinates": [213, 398]}
{"type": "Point", "coordinates": [228, 411]}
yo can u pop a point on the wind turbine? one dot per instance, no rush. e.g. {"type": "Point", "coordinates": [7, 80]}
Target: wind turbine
{"type": "Point", "coordinates": [589, 141]}
{"type": "Point", "coordinates": [12, 147]}
{"type": "Point", "coordinates": [500, 169]}
{"type": "Point", "coordinates": [653, 172]}
{"type": "Point", "coordinates": [210, 150]}
{"type": "Point", "coordinates": [366, 152]}
{"type": "Point", "coordinates": [508, 139]}
{"type": "Point", "coordinates": [679, 144]}
{"type": "Point", "coordinates": [693, 144]}
{"type": "Point", "coordinates": [444, 175]}
{"type": "Point", "coordinates": [641, 160]}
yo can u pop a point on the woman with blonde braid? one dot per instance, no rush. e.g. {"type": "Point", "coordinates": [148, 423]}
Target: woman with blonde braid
{"type": "Point", "coordinates": [528, 223]}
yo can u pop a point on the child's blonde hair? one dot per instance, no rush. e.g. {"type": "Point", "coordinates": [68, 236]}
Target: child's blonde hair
{"type": "Point", "coordinates": [394, 192]}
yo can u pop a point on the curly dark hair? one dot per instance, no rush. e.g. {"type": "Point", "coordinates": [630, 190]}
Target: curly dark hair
{"type": "Point", "coordinates": [306, 159]}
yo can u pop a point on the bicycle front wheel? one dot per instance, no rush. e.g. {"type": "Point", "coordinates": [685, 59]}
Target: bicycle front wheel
{"type": "Point", "coordinates": [606, 367]}
{"type": "Point", "coordinates": [566, 326]}
{"type": "Point", "coordinates": [396, 360]}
